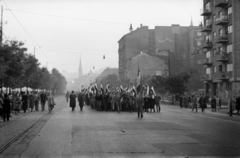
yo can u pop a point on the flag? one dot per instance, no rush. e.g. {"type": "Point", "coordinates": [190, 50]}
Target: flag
{"type": "Point", "coordinates": [102, 90]}
{"type": "Point", "coordinates": [153, 91]}
{"type": "Point", "coordinates": [107, 88]}
{"type": "Point", "coordinates": [138, 80]}
{"type": "Point", "coordinates": [147, 90]}
{"type": "Point", "coordinates": [121, 88]}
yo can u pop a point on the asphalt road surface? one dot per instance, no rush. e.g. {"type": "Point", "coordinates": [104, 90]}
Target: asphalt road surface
{"type": "Point", "coordinates": [174, 132]}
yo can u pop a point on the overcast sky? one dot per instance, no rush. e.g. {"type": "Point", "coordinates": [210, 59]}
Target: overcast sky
{"type": "Point", "coordinates": [64, 30]}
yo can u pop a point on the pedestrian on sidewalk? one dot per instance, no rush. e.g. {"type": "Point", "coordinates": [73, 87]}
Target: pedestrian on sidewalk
{"type": "Point", "coordinates": [181, 101]}
{"type": "Point", "coordinates": [238, 103]}
{"type": "Point", "coordinates": [80, 101]}
{"type": "Point", "coordinates": [51, 102]}
{"type": "Point", "coordinates": [1, 106]}
{"type": "Point", "coordinates": [6, 108]}
{"type": "Point", "coordinates": [18, 103]}
{"type": "Point", "coordinates": [213, 103]}
{"type": "Point", "coordinates": [67, 96]}
{"type": "Point", "coordinates": [72, 100]}
{"type": "Point", "coordinates": [194, 103]}
{"type": "Point", "coordinates": [24, 102]}
{"type": "Point", "coordinates": [230, 107]}
{"type": "Point", "coordinates": [43, 98]}
{"type": "Point", "coordinates": [36, 100]}
{"type": "Point", "coordinates": [31, 101]}
{"type": "Point", "coordinates": [158, 102]}
{"type": "Point", "coordinates": [140, 103]}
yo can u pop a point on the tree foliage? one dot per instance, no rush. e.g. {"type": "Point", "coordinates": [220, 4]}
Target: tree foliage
{"type": "Point", "coordinates": [19, 69]}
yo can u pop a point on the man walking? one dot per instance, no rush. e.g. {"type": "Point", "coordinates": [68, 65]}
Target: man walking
{"type": "Point", "coordinates": [194, 102]}
{"type": "Point", "coordinates": [80, 101]}
{"type": "Point", "coordinates": [72, 100]}
{"type": "Point", "coordinates": [6, 108]}
{"type": "Point", "coordinates": [140, 103]}
{"type": "Point", "coordinates": [157, 102]}
{"type": "Point", "coordinates": [43, 98]}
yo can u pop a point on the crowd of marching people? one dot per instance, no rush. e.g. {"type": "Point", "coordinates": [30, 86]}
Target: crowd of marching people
{"type": "Point", "coordinates": [14, 102]}
{"type": "Point", "coordinates": [122, 99]}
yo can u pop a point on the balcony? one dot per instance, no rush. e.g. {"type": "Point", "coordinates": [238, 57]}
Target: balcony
{"type": "Point", "coordinates": [222, 20]}
{"type": "Point", "coordinates": [207, 78]}
{"type": "Point", "coordinates": [206, 11]}
{"type": "Point", "coordinates": [223, 76]}
{"type": "Point", "coordinates": [222, 39]}
{"type": "Point", "coordinates": [207, 61]}
{"type": "Point", "coordinates": [221, 3]}
{"type": "Point", "coordinates": [221, 57]}
{"type": "Point", "coordinates": [207, 28]}
{"type": "Point", "coordinates": [207, 45]}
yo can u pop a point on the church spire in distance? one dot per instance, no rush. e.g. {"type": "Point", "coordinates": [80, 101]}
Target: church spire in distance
{"type": "Point", "coordinates": [80, 72]}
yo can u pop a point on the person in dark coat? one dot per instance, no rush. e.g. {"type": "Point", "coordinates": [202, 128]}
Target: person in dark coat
{"type": "Point", "coordinates": [140, 103]}
{"type": "Point", "coordinates": [43, 99]}
{"type": "Point", "coordinates": [214, 104]}
{"type": "Point", "coordinates": [24, 102]}
{"type": "Point", "coordinates": [6, 108]}
{"type": "Point", "coordinates": [72, 100]}
{"type": "Point", "coordinates": [80, 101]}
{"type": "Point", "coordinates": [152, 103]}
{"type": "Point", "coordinates": [146, 103]}
{"type": "Point", "coordinates": [238, 103]}
{"type": "Point", "coordinates": [157, 102]}
{"type": "Point", "coordinates": [181, 101]}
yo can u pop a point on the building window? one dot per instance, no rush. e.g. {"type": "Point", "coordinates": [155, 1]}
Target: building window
{"type": "Point", "coordinates": [229, 67]}
{"type": "Point", "coordinates": [220, 32]}
{"type": "Point", "coordinates": [214, 18]}
{"type": "Point", "coordinates": [220, 68]}
{"type": "Point", "coordinates": [229, 10]}
{"type": "Point", "coordinates": [214, 69]}
{"type": "Point", "coordinates": [208, 54]}
{"type": "Point", "coordinates": [229, 48]}
{"type": "Point", "coordinates": [199, 43]}
{"type": "Point", "coordinates": [199, 33]}
{"type": "Point", "coordinates": [214, 35]}
{"type": "Point", "coordinates": [230, 29]}
{"type": "Point", "coordinates": [208, 71]}
{"type": "Point", "coordinates": [214, 51]}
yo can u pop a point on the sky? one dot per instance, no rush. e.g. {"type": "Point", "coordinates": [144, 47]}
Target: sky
{"type": "Point", "coordinates": [63, 31]}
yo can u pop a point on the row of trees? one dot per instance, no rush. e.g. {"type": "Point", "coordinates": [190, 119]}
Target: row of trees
{"type": "Point", "coordinates": [19, 69]}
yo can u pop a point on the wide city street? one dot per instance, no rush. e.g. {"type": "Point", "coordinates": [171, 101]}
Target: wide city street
{"type": "Point", "coordinates": [174, 132]}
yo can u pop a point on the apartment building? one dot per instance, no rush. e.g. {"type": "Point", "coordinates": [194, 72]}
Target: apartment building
{"type": "Point", "coordinates": [221, 28]}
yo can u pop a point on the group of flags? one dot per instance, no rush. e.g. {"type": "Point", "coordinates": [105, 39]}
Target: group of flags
{"type": "Point", "coordinates": [140, 88]}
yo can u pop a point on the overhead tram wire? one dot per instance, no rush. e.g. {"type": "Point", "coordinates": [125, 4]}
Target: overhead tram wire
{"type": "Point", "coordinates": [24, 28]}
{"type": "Point", "coordinates": [72, 18]}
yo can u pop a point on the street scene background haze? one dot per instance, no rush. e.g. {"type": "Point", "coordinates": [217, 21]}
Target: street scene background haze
{"type": "Point", "coordinates": [62, 31]}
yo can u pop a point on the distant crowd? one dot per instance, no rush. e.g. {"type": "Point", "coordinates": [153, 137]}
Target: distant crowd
{"type": "Point", "coordinates": [194, 101]}
{"type": "Point", "coordinates": [14, 102]}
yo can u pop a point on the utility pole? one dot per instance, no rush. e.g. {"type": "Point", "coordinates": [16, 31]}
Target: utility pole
{"type": "Point", "coordinates": [1, 37]}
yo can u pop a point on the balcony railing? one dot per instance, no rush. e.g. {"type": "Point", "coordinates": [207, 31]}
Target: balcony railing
{"type": "Point", "coordinates": [221, 57]}
{"type": "Point", "coordinates": [221, 3]}
{"type": "Point", "coordinates": [206, 11]}
{"type": "Point", "coordinates": [221, 76]}
{"type": "Point", "coordinates": [207, 45]}
{"type": "Point", "coordinates": [222, 20]}
{"type": "Point", "coordinates": [207, 61]}
{"type": "Point", "coordinates": [207, 28]}
{"type": "Point", "coordinates": [222, 39]}
{"type": "Point", "coordinates": [207, 78]}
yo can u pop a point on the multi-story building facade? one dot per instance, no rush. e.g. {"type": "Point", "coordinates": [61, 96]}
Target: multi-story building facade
{"type": "Point", "coordinates": [221, 29]}
{"type": "Point", "coordinates": [176, 47]}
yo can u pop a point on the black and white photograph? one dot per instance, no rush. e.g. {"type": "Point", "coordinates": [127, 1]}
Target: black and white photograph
{"type": "Point", "coordinates": [119, 78]}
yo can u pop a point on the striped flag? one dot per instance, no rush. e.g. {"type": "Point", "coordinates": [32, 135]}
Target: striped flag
{"type": "Point", "coordinates": [138, 80]}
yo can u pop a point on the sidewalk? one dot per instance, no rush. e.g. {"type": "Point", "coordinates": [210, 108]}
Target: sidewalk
{"type": "Point", "coordinates": [17, 124]}
{"type": "Point", "coordinates": [223, 110]}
